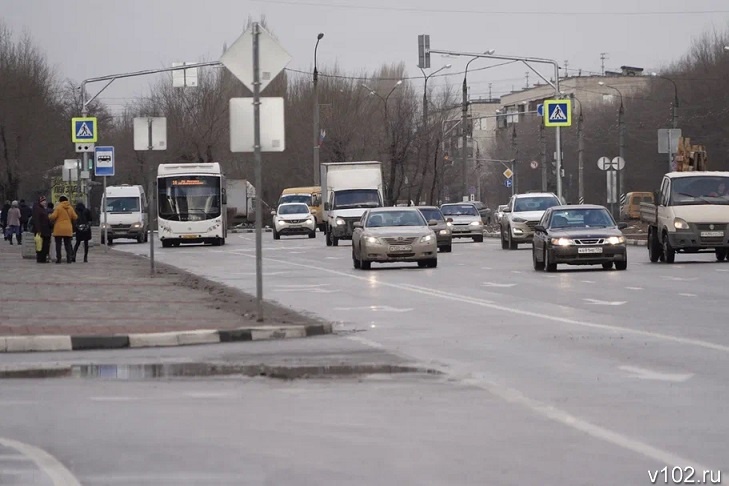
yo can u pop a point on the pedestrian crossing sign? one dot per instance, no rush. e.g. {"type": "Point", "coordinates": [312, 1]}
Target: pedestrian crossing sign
{"type": "Point", "coordinates": [557, 113]}
{"type": "Point", "coordinates": [83, 130]}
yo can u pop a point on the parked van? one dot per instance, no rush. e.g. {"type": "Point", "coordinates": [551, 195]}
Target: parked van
{"type": "Point", "coordinates": [631, 208]}
{"type": "Point", "coordinates": [126, 213]}
{"type": "Point", "coordinates": [311, 196]}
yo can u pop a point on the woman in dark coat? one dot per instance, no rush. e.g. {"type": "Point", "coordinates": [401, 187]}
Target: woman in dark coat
{"type": "Point", "coordinates": [83, 230]}
{"type": "Point", "coordinates": [42, 226]}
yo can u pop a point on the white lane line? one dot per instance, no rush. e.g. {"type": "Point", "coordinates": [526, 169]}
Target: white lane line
{"type": "Point", "coordinates": [51, 466]}
{"type": "Point", "coordinates": [113, 399]}
{"type": "Point", "coordinates": [208, 395]}
{"type": "Point", "coordinates": [536, 315]}
{"type": "Point", "coordinates": [550, 412]}
{"type": "Point", "coordinates": [604, 302]}
{"type": "Point", "coordinates": [634, 288]}
{"type": "Point", "coordinates": [645, 374]}
{"type": "Point", "coordinates": [687, 295]}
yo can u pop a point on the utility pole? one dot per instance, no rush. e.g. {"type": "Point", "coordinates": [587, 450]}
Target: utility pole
{"type": "Point", "coordinates": [526, 86]}
{"type": "Point", "coordinates": [603, 56]}
{"type": "Point", "coordinates": [464, 141]}
{"type": "Point", "coordinates": [316, 115]}
{"type": "Point", "coordinates": [515, 151]}
{"type": "Point", "coordinates": [490, 98]}
{"type": "Point", "coordinates": [580, 161]}
{"type": "Point", "coordinates": [543, 150]}
{"type": "Point", "coordinates": [621, 173]}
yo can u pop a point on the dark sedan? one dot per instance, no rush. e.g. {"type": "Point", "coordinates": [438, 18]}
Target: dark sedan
{"type": "Point", "coordinates": [579, 235]}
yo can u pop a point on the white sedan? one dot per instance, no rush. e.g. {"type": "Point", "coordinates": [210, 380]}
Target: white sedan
{"type": "Point", "coordinates": [293, 219]}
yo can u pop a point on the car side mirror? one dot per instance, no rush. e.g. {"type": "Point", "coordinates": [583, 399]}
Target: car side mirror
{"type": "Point", "coordinates": [433, 222]}
{"type": "Point", "coordinates": [622, 226]}
{"type": "Point", "coordinates": [507, 210]}
{"type": "Point", "coordinates": [357, 224]}
{"type": "Point", "coordinates": [313, 211]}
{"type": "Point", "coordinates": [273, 213]}
{"type": "Point", "coordinates": [540, 228]}
{"type": "Point", "coordinates": [449, 220]}
{"type": "Point", "coordinates": [326, 206]}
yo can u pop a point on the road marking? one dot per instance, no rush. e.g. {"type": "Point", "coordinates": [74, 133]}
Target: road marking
{"type": "Point", "coordinates": [516, 271]}
{"type": "Point", "coordinates": [51, 466]}
{"type": "Point", "coordinates": [208, 394]}
{"type": "Point", "coordinates": [722, 269]}
{"type": "Point", "coordinates": [604, 302]}
{"type": "Point", "coordinates": [375, 308]}
{"type": "Point", "coordinates": [496, 284]}
{"type": "Point", "coordinates": [333, 258]}
{"type": "Point", "coordinates": [113, 399]}
{"type": "Point", "coordinates": [679, 279]}
{"type": "Point", "coordinates": [511, 395]}
{"type": "Point", "coordinates": [587, 281]}
{"type": "Point", "coordinates": [536, 315]}
{"type": "Point", "coordinates": [634, 288]}
{"type": "Point", "coordinates": [688, 295]}
{"type": "Point", "coordinates": [485, 268]}
{"type": "Point", "coordinates": [644, 374]}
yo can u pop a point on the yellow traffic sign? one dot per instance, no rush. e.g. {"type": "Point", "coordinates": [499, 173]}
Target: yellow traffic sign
{"type": "Point", "coordinates": [557, 113]}
{"type": "Point", "coordinates": [84, 130]}
{"type": "Point", "coordinates": [508, 173]}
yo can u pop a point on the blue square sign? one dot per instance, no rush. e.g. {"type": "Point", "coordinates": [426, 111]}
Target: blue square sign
{"type": "Point", "coordinates": [557, 113]}
{"type": "Point", "coordinates": [104, 161]}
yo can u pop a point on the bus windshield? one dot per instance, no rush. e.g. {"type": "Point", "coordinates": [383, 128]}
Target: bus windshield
{"type": "Point", "coordinates": [188, 198]}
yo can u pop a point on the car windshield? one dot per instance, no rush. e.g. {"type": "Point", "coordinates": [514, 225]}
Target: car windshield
{"type": "Point", "coordinates": [699, 190]}
{"type": "Point", "coordinates": [459, 210]}
{"type": "Point", "coordinates": [357, 198]}
{"type": "Point", "coordinates": [534, 203]}
{"type": "Point", "coordinates": [581, 218]}
{"type": "Point", "coordinates": [122, 204]}
{"type": "Point", "coordinates": [293, 209]}
{"type": "Point", "coordinates": [432, 213]}
{"type": "Point", "coordinates": [379, 219]}
{"type": "Point", "coordinates": [295, 198]}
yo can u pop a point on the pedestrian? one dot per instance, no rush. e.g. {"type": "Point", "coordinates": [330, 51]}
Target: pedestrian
{"type": "Point", "coordinates": [42, 227]}
{"type": "Point", "coordinates": [13, 223]}
{"type": "Point", "coordinates": [63, 218]}
{"type": "Point", "coordinates": [83, 230]}
{"type": "Point", "coordinates": [4, 219]}
{"type": "Point", "coordinates": [25, 213]}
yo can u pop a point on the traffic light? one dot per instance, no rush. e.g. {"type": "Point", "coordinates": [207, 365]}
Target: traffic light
{"type": "Point", "coordinates": [90, 164]}
{"type": "Point", "coordinates": [424, 51]}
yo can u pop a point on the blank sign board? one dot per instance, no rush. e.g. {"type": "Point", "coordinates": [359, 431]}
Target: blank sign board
{"type": "Point", "coordinates": [272, 125]}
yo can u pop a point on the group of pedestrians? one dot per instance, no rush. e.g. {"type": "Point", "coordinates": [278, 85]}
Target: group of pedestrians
{"type": "Point", "coordinates": [44, 220]}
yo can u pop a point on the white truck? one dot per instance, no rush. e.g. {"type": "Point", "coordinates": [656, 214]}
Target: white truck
{"type": "Point", "coordinates": [124, 213]}
{"type": "Point", "coordinates": [690, 215]}
{"type": "Point", "coordinates": [240, 198]}
{"type": "Point", "coordinates": [348, 189]}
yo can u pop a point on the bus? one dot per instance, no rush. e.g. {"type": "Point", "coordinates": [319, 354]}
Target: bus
{"type": "Point", "coordinates": [191, 205]}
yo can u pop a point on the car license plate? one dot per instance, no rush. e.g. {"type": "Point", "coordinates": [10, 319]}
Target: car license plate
{"type": "Point", "coordinates": [590, 249]}
{"type": "Point", "coordinates": [189, 236]}
{"type": "Point", "coordinates": [712, 234]}
{"type": "Point", "coordinates": [398, 248]}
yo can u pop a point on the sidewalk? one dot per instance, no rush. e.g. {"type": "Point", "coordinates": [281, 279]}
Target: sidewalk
{"type": "Point", "coordinates": [114, 302]}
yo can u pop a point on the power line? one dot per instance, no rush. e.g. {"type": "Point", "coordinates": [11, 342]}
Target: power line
{"type": "Point", "coordinates": [491, 12]}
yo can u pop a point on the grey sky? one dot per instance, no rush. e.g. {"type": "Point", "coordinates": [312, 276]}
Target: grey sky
{"type": "Point", "coordinates": [86, 38]}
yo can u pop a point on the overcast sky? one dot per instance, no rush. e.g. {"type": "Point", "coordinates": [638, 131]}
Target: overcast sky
{"type": "Point", "coordinates": [87, 38]}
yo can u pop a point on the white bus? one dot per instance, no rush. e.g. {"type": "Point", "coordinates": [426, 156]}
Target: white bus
{"type": "Point", "coordinates": [191, 204]}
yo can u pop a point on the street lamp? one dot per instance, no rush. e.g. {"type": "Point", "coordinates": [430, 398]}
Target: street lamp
{"type": "Point", "coordinates": [425, 91]}
{"type": "Point", "coordinates": [464, 118]}
{"type": "Point", "coordinates": [674, 108]}
{"type": "Point", "coordinates": [316, 114]}
{"type": "Point", "coordinates": [621, 135]}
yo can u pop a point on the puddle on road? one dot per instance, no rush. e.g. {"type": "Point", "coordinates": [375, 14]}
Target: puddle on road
{"type": "Point", "coordinates": [193, 370]}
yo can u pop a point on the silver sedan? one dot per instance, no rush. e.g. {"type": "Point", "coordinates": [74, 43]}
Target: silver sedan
{"type": "Point", "coordinates": [393, 235]}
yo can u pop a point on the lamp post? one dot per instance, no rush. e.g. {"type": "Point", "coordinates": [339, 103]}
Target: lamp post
{"type": "Point", "coordinates": [387, 120]}
{"type": "Point", "coordinates": [425, 91]}
{"type": "Point", "coordinates": [580, 153]}
{"type": "Point", "coordinates": [464, 124]}
{"type": "Point", "coordinates": [316, 115]}
{"type": "Point", "coordinates": [674, 106]}
{"type": "Point", "coordinates": [621, 139]}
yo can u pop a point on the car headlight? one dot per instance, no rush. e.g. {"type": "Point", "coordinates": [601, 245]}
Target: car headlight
{"type": "Point", "coordinates": [562, 242]}
{"type": "Point", "coordinates": [681, 224]}
{"type": "Point", "coordinates": [372, 240]}
{"type": "Point", "coordinates": [616, 240]}
{"type": "Point", "coordinates": [340, 222]}
{"type": "Point", "coordinates": [476, 223]}
{"type": "Point", "coordinates": [310, 218]}
{"type": "Point", "coordinates": [519, 220]}
{"type": "Point", "coordinates": [449, 224]}
{"type": "Point", "coordinates": [136, 225]}
{"type": "Point", "coordinates": [443, 232]}
{"type": "Point", "coordinates": [426, 238]}
{"type": "Point", "coordinates": [104, 225]}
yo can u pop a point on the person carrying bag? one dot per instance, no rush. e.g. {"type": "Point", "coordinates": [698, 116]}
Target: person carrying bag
{"type": "Point", "coordinates": [83, 230]}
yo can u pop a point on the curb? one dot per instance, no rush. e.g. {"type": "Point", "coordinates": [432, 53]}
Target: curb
{"type": "Point", "coordinates": [22, 344]}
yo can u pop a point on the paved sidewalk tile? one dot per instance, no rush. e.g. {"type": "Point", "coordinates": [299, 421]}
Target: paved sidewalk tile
{"type": "Point", "coordinates": [112, 294]}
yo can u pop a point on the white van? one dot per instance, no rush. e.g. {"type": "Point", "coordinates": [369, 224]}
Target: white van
{"type": "Point", "coordinates": [126, 213]}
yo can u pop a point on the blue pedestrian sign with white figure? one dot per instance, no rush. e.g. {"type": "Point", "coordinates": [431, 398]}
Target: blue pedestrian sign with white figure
{"type": "Point", "coordinates": [83, 130]}
{"type": "Point", "coordinates": [104, 161]}
{"type": "Point", "coordinates": [557, 113]}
